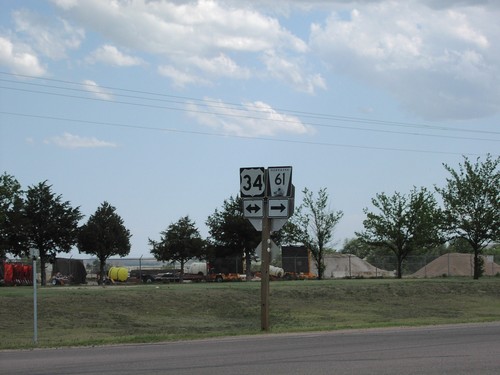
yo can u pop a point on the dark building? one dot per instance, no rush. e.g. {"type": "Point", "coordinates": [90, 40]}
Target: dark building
{"type": "Point", "coordinates": [295, 259]}
{"type": "Point", "coordinates": [73, 269]}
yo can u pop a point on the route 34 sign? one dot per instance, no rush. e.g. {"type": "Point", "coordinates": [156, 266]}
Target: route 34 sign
{"type": "Point", "coordinates": [252, 182]}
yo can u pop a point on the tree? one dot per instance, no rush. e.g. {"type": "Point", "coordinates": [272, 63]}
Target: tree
{"type": "Point", "coordinates": [231, 234]}
{"type": "Point", "coordinates": [459, 245]}
{"type": "Point", "coordinates": [312, 225]}
{"type": "Point", "coordinates": [356, 246]}
{"type": "Point", "coordinates": [104, 235]}
{"type": "Point", "coordinates": [404, 224]}
{"type": "Point", "coordinates": [12, 218]}
{"type": "Point", "coordinates": [471, 200]}
{"type": "Point", "coordinates": [52, 225]}
{"type": "Point", "coordinates": [180, 242]}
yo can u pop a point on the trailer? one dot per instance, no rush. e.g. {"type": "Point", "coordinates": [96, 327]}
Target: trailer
{"type": "Point", "coordinates": [219, 270]}
{"type": "Point", "coordinates": [145, 275]}
{"type": "Point", "coordinates": [225, 269]}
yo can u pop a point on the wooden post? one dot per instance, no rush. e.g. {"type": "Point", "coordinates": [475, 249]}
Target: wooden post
{"type": "Point", "coordinates": [264, 268]}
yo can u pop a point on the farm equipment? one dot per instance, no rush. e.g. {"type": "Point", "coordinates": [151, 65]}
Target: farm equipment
{"type": "Point", "coordinates": [225, 269]}
{"type": "Point", "coordinates": [16, 274]}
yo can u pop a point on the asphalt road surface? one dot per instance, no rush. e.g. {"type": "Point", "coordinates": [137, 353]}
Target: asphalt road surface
{"type": "Point", "coordinates": [455, 349]}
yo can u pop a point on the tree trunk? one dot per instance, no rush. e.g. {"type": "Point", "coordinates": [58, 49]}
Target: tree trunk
{"type": "Point", "coordinates": [43, 274]}
{"type": "Point", "coordinates": [100, 280]}
{"type": "Point", "coordinates": [248, 264]}
{"type": "Point", "coordinates": [181, 273]}
{"type": "Point", "coordinates": [320, 265]}
{"type": "Point", "coordinates": [477, 265]}
{"type": "Point", "coordinates": [399, 271]}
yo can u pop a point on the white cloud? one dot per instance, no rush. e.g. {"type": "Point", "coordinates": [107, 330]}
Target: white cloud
{"type": "Point", "coordinates": [221, 65]}
{"type": "Point", "coordinates": [20, 59]}
{"type": "Point", "coordinates": [71, 141]}
{"type": "Point", "coordinates": [439, 63]}
{"type": "Point", "coordinates": [197, 38]}
{"type": "Point", "coordinates": [110, 55]}
{"type": "Point", "coordinates": [252, 119]}
{"type": "Point", "coordinates": [181, 78]}
{"type": "Point", "coordinates": [440, 59]}
{"type": "Point", "coordinates": [65, 4]}
{"type": "Point", "coordinates": [94, 88]}
{"type": "Point", "coordinates": [289, 71]}
{"type": "Point", "coordinates": [51, 37]}
{"type": "Point", "coordinates": [461, 28]}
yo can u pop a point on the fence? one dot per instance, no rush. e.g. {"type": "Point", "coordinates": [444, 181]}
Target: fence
{"type": "Point", "coordinates": [336, 265]}
{"type": "Point", "coordinates": [450, 264]}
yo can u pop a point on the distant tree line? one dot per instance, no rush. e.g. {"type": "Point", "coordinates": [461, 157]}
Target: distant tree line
{"type": "Point", "coordinates": [39, 219]}
{"type": "Point", "coordinates": [398, 224]}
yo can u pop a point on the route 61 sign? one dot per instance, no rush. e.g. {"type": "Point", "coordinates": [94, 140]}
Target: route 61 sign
{"type": "Point", "coordinates": [279, 181]}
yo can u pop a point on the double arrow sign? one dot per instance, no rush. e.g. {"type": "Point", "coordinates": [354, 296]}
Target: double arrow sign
{"type": "Point", "coordinates": [276, 208]}
{"type": "Point", "coordinates": [255, 209]}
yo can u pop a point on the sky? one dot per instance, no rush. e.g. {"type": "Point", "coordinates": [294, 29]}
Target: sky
{"type": "Point", "coordinates": [154, 106]}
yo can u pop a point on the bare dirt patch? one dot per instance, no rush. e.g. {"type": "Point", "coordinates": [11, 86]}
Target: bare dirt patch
{"type": "Point", "coordinates": [456, 264]}
{"type": "Point", "coordinates": [345, 265]}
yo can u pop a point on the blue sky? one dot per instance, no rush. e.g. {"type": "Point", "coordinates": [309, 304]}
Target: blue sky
{"type": "Point", "coordinates": [154, 106]}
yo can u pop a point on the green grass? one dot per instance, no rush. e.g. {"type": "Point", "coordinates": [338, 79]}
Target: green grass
{"type": "Point", "coordinates": [148, 313]}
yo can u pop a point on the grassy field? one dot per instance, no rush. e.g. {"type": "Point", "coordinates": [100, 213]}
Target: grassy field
{"type": "Point", "coordinates": [93, 315]}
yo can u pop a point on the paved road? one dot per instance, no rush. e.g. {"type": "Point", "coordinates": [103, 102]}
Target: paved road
{"type": "Point", "coordinates": [457, 349]}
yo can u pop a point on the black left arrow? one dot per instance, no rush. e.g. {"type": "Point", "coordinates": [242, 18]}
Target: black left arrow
{"type": "Point", "coordinates": [281, 207]}
{"type": "Point", "coordinates": [255, 208]}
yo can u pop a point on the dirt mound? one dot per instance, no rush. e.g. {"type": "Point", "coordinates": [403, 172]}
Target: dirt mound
{"type": "Point", "coordinates": [345, 265]}
{"type": "Point", "coordinates": [456, 264]}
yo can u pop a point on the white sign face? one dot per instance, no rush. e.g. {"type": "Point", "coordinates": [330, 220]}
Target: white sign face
{"type": "Point", "coordinates": [277, 224]}
{"type": "Point", "coordinates": [279, 182]}
{"type": "Point", "coordinates": [257, 223]}
{"type": "Point", "coordinates": [252, 182]}
{"type": "Point", "coordinates": [278, 208]}
{"type": "Point", "coordinates": [253, 207]}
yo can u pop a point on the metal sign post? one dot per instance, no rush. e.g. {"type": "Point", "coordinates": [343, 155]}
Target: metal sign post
{"type": "Point", "coordinates": [34, 254]}
{"type": "Point", "coordinates": [35, 312]}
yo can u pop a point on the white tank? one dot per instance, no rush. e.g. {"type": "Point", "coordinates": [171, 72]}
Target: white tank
{"type": "Point", "coordinates": [276, 271]}
{"type": "Point", "coordinates": [196, 268]}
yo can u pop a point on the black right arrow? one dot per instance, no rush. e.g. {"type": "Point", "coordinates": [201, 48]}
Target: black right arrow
{"type": "Point", "coordinates": [255, 208]}
{"type": "Point", "coordinates": [281, 207]}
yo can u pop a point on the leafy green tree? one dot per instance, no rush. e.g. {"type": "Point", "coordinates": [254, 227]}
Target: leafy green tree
{"type": "Point", "coordinates": [12, 219]}
{"type": "Point", "coordinates": [356, 246]}
{"type": "Point", "coordinates": [104, 235]}
{"type": "Point", "coordinates": [312, 225]}
{"type": "Point", "coordinates": [459, 245]}
{"type": "Point", "coordinates": [180, 242]}
{"type": "Point", "coordinates": [52, 223]}
{"type": "Point", "coordinates": [231, 234]}
{"type": "Point", "coordinates": [404, 223]}
{"type": "Point", "coordinates": [471, 200]}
